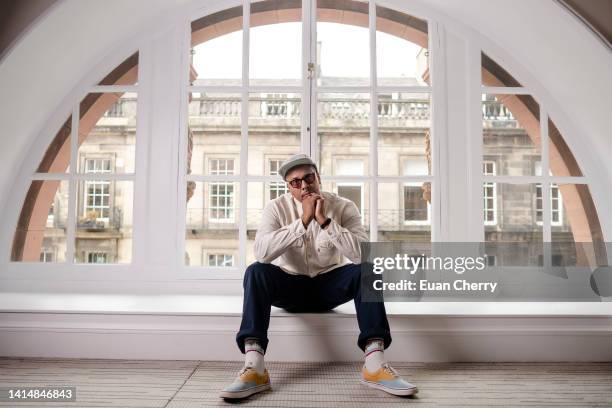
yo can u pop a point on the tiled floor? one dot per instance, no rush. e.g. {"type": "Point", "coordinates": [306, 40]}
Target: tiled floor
{"type": "Point", "coordinates": [148, 383]}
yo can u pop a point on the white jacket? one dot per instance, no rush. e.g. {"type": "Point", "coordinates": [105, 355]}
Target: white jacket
{"type": "Point", "coordinates": [283, 241]}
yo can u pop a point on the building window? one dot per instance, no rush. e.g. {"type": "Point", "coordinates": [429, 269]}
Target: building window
{"type": "Point", "coordinates": [221, 194]}
{"type": "Point", "coordinates": [417, 209]}
{"type": "Point", "coordinates": [556, 209]}
{"type": "Point", "coordinates": [221, 167]}
{"type": "Point", "coordinates": [51, 215]}
{"type": "Point", "coordinates": [46, 255]}
{"type": "Point", "coordinates": [491, 260]}
{"type": "Point", "coordinates": [97, 193]}
{"type": "Point", "coordinates": [489, 194]}
{"type": "Point", "coordinates": [277, 188]}
{"type": "Point", "coordinates": [97, 257]}
{"type": "Point", "coordinates": [351, 190]}
{"type": "Point", "coordinates": [223, 260]}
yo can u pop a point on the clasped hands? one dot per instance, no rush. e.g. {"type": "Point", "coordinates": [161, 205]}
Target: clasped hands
{"type": "Point", "coordinates": [313, 206]}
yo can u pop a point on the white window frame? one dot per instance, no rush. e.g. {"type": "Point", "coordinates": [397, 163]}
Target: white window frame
{"type": "Point", "coordinates": [228, 197]}
{"type": "Point", "coordinates": [155, 255]}
{"type": "Point", "coordinates": [46, 250]}
{"type": "Point", "coordinates": [270, 184]}
{"type": "Point", "coordinates": [559, 198]}
{"type": "Point", "coordinates": [94, 159]}
{"type": "Point", "coordinates": [494, 189]}
{"type": "Point", "coordinates": [207, 253]}
{"type": "Point", "coordinates": [308, 91]}
{"type": "Point", "coordinates": [209, 198]}
{"type": "Point", "coordinates": [553, 187]}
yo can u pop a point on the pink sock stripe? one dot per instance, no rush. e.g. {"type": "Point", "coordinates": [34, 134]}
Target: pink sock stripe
{"type": "Point", "coordinates": [254, 350]}
{"type": "Point", "coordinates": [372, 351]}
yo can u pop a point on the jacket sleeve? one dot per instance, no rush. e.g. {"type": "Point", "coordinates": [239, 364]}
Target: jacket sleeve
{"type": "Point", "coordinates": [349, 233]}
{"type": "Point", "coordinates": [272, 239]}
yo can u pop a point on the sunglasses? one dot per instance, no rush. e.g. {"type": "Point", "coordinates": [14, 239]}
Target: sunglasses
{"type": "Point", "coordinates": [297, 182]}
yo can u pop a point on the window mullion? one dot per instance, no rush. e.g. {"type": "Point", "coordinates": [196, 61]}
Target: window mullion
{"type": "Point", "coordinates": [139, 238]}
{"type": "Point", "coordinates": [474, 159]}
{"type": "Point", "coordinates": [546, 193]}
{"type": "Point", "coordinates": [184, 81]}
{"type": "Point", "coordinates": [72, 190]}
{"type": "Point", "coordinates": [438, 134]}
{"type": "Point", "coordinates": [244, 134]}
{"type": "Point", "coordinates": [309, 81]}
{"type": "Point", "coordinates": [167, 150]}
{"type": "Point", "coordinates": [373, 125]}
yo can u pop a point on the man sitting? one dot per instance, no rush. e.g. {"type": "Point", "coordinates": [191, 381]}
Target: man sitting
{"type": "Point", "coordinates": [309, 260]}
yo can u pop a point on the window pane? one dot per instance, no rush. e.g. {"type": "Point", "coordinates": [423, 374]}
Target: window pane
{"type": "Point", "coordinates": [107, 129]}
{"type": "Point", "coordinates": [125, 73]}
{"type": "Point", "coordinates": [275, 43]}
{"type": "Point", "coordinates": [343, 128]}
{"type": "Point", "coordinates": [212, 222]}
{"type": "Point", "coordinates": [515, 211]}
{"type": "Point", "coordinates": [214, 131]}
{"type": "Point", "coordinates": [576, 236]}
{"type": "Point", "coordinates": [494, 75]}
{"type": "Point", "coordinates": [256, 202]}
{"type": "Point", "coordinates": [219, 259]}
{"type": "Point", "coordinates": [216, 56]}
{"type": "Point", "coordinates": [401, 49]}
{"type": "Point", "coordinates": [562, 161]}
{"type": "Point", "coordinates": [104, 221]}
{"type": "Point", "coordinates": [41, 230]}
{"type": "Point", "coordinates": [274, 128]}
{"type": "Point", "coordinates": [342, 62]}
{"type": "Point", "coordinates": [57, 156]}
{"type": "Point", "coordinates": [357, 192]}
{"type": "Point", "coordinates": [404, 134]}
{"type": "Point", "coordinates": [511, 133]}
{"type": "Point", "coordinates": [404, 212]}
{"type": "Point", "coordinates": [276, 188]}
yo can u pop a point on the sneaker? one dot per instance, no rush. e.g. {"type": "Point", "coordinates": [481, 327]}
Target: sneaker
{"type": "Point", "coordinates": [388, 380]}
{"type": "Point", "coordinates": [248, 382]}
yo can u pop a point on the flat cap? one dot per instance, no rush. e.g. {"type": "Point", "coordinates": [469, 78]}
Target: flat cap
{"type": "Point", "coordinates": [293, 161]}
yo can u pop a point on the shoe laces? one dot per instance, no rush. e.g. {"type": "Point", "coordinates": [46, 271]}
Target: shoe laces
{"type": "Point", "coordinates": [244, 370]}
{"type": "Point", "coordinates": [387, 367]}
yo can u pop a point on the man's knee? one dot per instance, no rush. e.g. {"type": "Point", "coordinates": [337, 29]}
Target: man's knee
{"type": "Point", "coordinates": [364, 274]}
{"type": "Point", "coordinates": [257, 272]}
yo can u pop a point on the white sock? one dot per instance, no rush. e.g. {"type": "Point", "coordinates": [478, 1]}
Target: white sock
{"type": "Point", "coordinates": [374, 355]}
{"type": "Point", "coordinates": [254, 355]}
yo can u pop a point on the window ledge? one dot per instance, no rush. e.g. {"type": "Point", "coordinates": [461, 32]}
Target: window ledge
{"type": "Point", "coordinates": [162, 304]}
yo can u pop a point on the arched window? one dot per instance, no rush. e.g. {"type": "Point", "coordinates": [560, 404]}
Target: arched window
{"type": "Point", "coordinates": [344, 104]}
{"type": "Point", "coordinates": [267, 79]}
{"type": "Point", "coordinates": [79, 204]}
{"type": "Point", "coordinates": [534, 190]}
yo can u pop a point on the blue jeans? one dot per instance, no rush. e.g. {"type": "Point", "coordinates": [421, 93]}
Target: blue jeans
{"type": "Point", "coordinates": [267, 285]}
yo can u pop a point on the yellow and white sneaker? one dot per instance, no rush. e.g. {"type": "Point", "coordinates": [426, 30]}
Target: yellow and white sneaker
{"type": "Point", "coordinates": [248, 382]}
{"type": "Point", "coordinates": [388, 380]}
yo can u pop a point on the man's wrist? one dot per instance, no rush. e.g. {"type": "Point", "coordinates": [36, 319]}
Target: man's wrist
{"type": "Point", "coordinates": [325, 223]}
